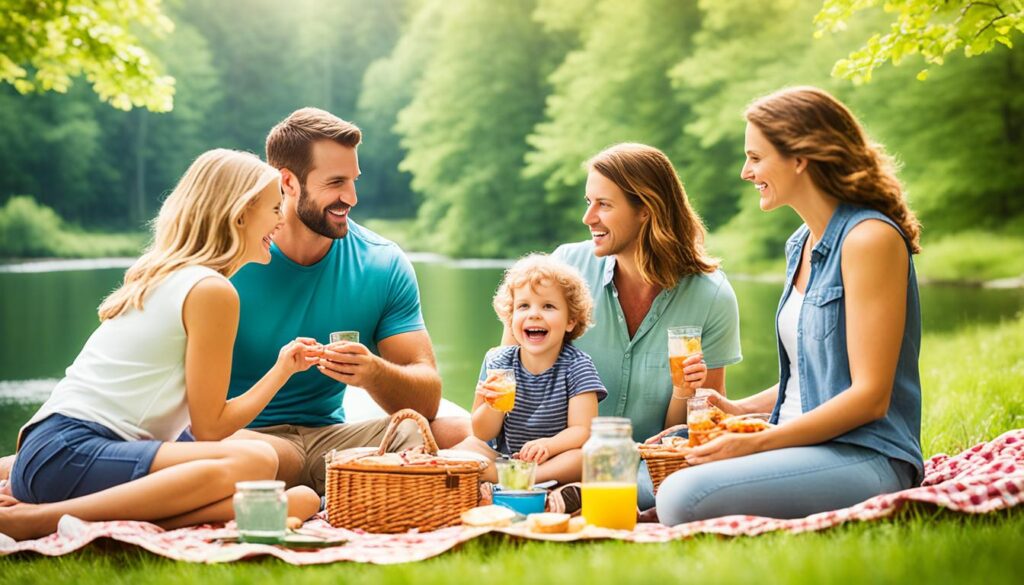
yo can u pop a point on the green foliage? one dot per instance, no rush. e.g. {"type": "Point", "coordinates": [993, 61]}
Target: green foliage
{"type": "Point", "coordinates": [45, 44]}
{"type": "Point", "coordinates": [960, 138]}
{"type": "Point", "coordinates": [389, 85]}
{"type": "Point", "coordinates": [612, 88]}
{"type": "Point", "coordinates": [478, 114]}
{"type": "Point", "coordinates": [973, 256]}
{"type": "Point", "coordinates": [31, 230]}
{"type": "Point", "coordinates": [26, 228]}
{"type": "Point", "coordinates": [931, 29]}
{"type": "Point", "coordinates": [465, 132]}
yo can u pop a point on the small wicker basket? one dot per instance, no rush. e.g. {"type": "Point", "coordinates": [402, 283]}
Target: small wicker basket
{"type": "Point", "coordinates": [663, 461]}
{"type": "Point", "coordinates": [397, 498]}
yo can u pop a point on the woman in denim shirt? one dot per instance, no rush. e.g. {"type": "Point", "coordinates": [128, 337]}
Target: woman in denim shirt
{"type": "Point", "coordinates": [848, 401]}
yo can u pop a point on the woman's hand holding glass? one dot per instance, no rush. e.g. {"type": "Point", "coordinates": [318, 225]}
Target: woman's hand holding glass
{"type": "Point", "coordinates": [299, 355]}
{"type": "Point", "coordinates": [730, 407]}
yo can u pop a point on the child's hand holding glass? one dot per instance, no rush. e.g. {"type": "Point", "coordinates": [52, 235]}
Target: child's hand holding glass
{"type": "Point", "coordinates": [498, 390]}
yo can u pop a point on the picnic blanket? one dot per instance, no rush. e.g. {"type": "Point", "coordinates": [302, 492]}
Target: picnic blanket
{"type": "Point", "coordinates": [986, 478]}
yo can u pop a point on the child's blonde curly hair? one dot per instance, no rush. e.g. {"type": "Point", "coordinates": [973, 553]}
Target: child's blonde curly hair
{"type": "Point", "coordinates": [540, 269]}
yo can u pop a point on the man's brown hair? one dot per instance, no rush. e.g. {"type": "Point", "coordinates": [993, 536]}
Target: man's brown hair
{"type": "Point", "coordinates": [290, 143]}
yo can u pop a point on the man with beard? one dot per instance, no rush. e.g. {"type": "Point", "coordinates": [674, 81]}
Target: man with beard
{"type": "Point", "coordinates": [327, 273]}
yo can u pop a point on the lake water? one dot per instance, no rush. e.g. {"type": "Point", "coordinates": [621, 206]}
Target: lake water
{"type": "Point", "coordinates": [46, 316]}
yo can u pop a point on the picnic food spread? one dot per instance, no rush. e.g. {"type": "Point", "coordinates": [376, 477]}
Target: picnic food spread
{"type": "Point", "coordinates": [669, 454]}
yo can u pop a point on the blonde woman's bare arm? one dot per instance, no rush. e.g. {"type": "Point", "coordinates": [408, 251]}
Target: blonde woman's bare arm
{"type": "Point", "coordinates": [210, 317]}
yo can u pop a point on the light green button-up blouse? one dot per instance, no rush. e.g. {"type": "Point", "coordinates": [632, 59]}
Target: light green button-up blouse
{"type": "Point", "coordinates": [636, 371]}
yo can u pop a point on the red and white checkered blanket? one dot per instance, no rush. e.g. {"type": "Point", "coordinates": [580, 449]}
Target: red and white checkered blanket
{"type": "Point", "coordinates": [985, 478]}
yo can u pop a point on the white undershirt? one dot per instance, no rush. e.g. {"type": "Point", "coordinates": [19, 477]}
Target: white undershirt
{"type": "Point", "coordinates": [789, 319]}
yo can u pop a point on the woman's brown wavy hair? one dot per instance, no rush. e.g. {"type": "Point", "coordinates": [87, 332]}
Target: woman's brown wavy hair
{"type": "Point", "coordinates": [809, 123]}
{"type": "Point", "coordinates": [671, 240]}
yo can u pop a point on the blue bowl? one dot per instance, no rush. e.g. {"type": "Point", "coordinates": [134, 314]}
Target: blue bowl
{"type": "Point", "coordinates": [522, 501]}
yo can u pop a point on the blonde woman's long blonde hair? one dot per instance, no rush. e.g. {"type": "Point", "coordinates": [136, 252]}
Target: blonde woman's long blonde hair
{"type": "Point", "coordinates": [198, 224]}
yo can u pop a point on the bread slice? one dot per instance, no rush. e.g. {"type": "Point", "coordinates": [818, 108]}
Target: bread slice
{"type": "Point", "coordinates": [496, 516]}
{"type": "Point", "coordinates": [549, 523]}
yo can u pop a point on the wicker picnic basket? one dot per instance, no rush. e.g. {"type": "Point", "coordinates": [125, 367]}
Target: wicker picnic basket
{"type": "Point", "coordinates": [668, 455]}
{"type": "Point", "coordinates": [663, 460]}
{"type": "Point", "coordinates": [425, 494]}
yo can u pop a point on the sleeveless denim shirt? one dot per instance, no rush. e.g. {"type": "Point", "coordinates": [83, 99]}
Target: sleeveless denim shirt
{"type": "Point", "coordinates": [824, 365]}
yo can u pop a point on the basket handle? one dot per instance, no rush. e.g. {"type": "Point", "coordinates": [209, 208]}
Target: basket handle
{"type": "Point", "coordinates": [421, 422]}
{"type": "Point", "coordinates": [657, 438]}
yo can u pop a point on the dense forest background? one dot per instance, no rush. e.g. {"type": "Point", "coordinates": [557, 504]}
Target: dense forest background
{"type": "Point", "coordinates": [478, 115]}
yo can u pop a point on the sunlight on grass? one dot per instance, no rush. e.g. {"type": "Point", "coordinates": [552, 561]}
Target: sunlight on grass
{"type": "Point", "coordinates": [973, 381]}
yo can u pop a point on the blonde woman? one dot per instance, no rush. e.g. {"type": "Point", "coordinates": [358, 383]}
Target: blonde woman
{"type": "Point", "coordinates": [102, 447]}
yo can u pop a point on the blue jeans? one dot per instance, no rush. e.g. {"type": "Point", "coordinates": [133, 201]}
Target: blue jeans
{"type": "Point", "coordinates": [786, 483]}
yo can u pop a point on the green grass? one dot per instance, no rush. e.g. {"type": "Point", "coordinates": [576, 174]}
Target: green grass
{"type": "Point", "coordinates": [972, 256]}
{"type": "Point", "coordinates": [973, 384]}
{"type": "Point", "coordinates": [973, 380]}
{"type": "Point", "coordinates": [920, 547]}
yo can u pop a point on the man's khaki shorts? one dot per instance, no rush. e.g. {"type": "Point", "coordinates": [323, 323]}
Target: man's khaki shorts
{"type": "Point", "coordinates": [313, 443]}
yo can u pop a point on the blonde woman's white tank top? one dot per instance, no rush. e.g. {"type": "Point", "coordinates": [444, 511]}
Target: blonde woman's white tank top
{"type": "Point", "coordinates": [130, 376]}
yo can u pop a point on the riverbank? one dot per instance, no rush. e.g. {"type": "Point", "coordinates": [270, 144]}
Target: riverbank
{"type": "Point", "coordinates": [981, 259]}
{"type": "Point", "coordinates": [972, 379]}
{"type": "Point", "coordinates": [978, 259]}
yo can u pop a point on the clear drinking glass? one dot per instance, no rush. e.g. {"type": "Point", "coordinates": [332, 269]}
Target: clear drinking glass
{"type": "Point", "coordinates": [352, 336]}
{"type": "Point", "coordinates": [610, 462]}
{"type": "Point", "coordinates": [516, 474]}
{"type": "Point", "coordinates": [261, 511]}
{"type": "Point", "coordinates": [700, 420]}
{"type": "Point", "coordinates": [683, 342]}
{"type": "Point", "coordinates": [506, 384]}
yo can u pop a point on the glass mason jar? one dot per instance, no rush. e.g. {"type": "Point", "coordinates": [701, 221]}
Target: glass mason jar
{"type": "Point", "coordinates": [261, 511]}
{"type": "Point", "coordinates": [610, 462]}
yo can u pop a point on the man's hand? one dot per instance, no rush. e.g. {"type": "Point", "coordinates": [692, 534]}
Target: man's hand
{"type": "Point", "coordinates": [350, 363]}
{"type": "Point", "coordinates": [537, 451]}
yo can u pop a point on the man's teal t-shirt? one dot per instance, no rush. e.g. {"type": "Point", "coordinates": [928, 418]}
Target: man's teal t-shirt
{"type": "Point", "coordinates": [364, 283]}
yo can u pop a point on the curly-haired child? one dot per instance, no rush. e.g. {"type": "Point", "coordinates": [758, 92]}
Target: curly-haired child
{"type": "Point", "coordinates": [545, 303]}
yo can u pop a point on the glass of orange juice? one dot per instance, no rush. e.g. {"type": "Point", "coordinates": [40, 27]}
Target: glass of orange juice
{"type": "Point", "coordinates": [683, 342]}
{"type": "Point", "coordinates": [505, 382]}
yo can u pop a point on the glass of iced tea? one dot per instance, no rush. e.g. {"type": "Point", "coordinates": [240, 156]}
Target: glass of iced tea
{"type": "Point", "coordinates": [506, 384]}
{"type": "Point", "coordinates": [682, 343]}
{"type": "Point", "coordinates": [700, 420]}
